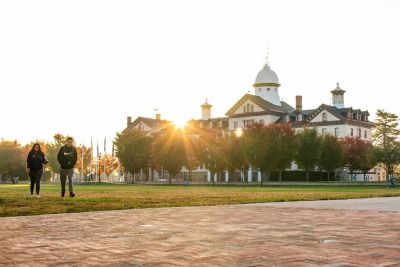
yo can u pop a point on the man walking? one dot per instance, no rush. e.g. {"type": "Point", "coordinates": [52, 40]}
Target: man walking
{"type": "Point", "coordinates": [67, 157]}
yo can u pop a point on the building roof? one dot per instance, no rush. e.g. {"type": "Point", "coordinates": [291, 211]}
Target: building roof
{"type": "Point", "coordinates": [267, 106]}
{"type": "Point", "coordinates": [266, 75]}
{"type": "Point", "coordinates": [150, 122]}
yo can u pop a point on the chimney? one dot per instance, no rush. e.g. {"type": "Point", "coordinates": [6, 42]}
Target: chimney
{"type": "Point", "coordinates": [129, 121]}
{"type": "Point", "coordinates": [299, 102]}
{"type": "Point", "coordinates": [158, 116]}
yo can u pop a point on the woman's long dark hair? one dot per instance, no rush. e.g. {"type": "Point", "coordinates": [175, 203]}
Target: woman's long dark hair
{"type": "Point", "coordinates": [33, 149]}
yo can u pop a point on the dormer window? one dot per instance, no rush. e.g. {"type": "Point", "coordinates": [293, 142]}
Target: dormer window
{"type": "Point", "coordinates": [252, 108]}
{"type": "Point", "coordinates": [248, 108]}
{"type": "Point", "coordinates": [324, 116]}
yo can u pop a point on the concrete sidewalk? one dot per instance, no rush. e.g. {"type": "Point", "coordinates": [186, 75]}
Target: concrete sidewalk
{"type": "Point", "coordinates": [324, 233]}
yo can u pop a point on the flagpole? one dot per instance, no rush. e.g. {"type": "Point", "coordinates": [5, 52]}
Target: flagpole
{"type": "Point", "coordinates": [105, 155]}
{"type": "Point", "coordinates": [82, 173]}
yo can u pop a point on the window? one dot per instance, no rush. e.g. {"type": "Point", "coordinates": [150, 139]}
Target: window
{"type": "Point", "coordinates": [299, 131]}
{"type": "Point", "coordinates": [324, 116]}
{"type": "Point", "coordinates": [351, 132]}
{"type": "Point", "coordinates": [244, 109]}
{"type": "Point", "coordinates": [262, 122]}
{"type": "Point", "coordinates": [252, 108]}
{"type": "Point", "coordinates": [337, 132]}
{"type": "Point", "coordinates": [268, 89]}
{"type": "Point", "coordinates": [324, 131]}
{"type": "Point", "coordinates": [235, 125]}
{"type": "Point", "coordinates": [248, 108]}
{"type": "Point", "coordinates": [365, 134]}
{"type": "Point", "coordinates": [259, 89]}
{"type": "Point", "coordinates": [359, 133]}
{"type": "Point", "coordinates": [299, 117]}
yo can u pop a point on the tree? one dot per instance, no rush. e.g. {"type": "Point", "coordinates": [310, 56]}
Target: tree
{"type": "Point", "coordinates": [259, 146]}
{"type": "Point", "coordinates": [170, 151]}
{"type": "Point", "coordinates": [12, 159]}
{"type": "Point", "coordinates": [385, 138]}
{"type": "Point", "coordinates": [87, 159]}
{"type": "Point", "coordinates": [390, 157]}
{"type": "Point", "coordinates": [370, 159]}
{"type": "Point", "coordinates": [234, 154]}
{"type": "Point", "coordinates": [190, 143]}
{"type": "Point", "coordinates": [308, 152]}
{"type": "Point", "coordinates": [355, 151]}
{"type": "Point", "coordinates": [331, 154]}
{"type": "Point", "coordinates": [108, 164]}
{"type": "Point", "coordinates": [133, 149]}
{"type": "Point", "coordinates": [284, 142]}
{"type": "Point", "coordinates": [386, 129]}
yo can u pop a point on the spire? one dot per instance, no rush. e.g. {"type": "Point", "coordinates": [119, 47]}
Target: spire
{"type": "Point", "coordinates": [267, 60]}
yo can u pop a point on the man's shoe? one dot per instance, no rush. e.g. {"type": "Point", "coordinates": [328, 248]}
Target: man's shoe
{"type": "Point", "coordinates": [71, 195]}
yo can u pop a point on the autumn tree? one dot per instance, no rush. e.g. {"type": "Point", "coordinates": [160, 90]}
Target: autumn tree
{"type": "Point", "coordinates": [355, 151]}
{"type": "Point", "coordinates": [108, 164]}
{"type": "Point", "coordinates": [86, 152]}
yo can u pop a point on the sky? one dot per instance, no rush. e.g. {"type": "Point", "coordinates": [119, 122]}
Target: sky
{"type": "Point", "coordinates": [81, 67]}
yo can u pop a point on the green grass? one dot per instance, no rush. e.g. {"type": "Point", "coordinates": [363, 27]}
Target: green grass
{"type": "Point", "coordinates": [15, 199]}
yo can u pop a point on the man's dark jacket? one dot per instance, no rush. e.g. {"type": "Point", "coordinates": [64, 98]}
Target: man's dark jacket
{"type": "Point", "coordinates": [67, 157]}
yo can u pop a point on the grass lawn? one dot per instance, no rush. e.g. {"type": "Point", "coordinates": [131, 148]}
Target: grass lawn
{"type": "Point", "coordinates": [15, 199]}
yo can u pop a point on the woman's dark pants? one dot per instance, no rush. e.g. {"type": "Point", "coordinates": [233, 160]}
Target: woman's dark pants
{"type": "Point", "coordinates": [35, 179]}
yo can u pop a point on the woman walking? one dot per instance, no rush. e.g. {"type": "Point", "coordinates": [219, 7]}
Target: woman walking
{"type": "Point", "coordinates": [35, 164]}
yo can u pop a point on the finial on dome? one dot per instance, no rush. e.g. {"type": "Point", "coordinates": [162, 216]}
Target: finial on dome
{"type": "Point", "coordinates": [337, 85]}
{"type": "Point", "coordinates": [267, 60]}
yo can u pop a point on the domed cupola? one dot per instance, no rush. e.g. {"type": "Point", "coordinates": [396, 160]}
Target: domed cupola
{"type": "Point", "coordinates": [267, 84]}
{"type": "Point", "coordinates": [266, 76]}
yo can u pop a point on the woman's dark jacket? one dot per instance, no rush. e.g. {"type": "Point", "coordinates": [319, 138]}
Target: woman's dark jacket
{"type": "Point", "coordinates": [35, 160]}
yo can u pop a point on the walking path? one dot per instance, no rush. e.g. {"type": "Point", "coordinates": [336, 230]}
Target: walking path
{"type": "Point", "coordinates": [322, 233]}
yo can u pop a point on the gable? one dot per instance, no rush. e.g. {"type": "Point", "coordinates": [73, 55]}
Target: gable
{"type": "Point", "coordinates": [142, 126]}
{"type": "Point", "coordinates": [247, 106]}
{"type": "Point", "coordinates": [319, 117]}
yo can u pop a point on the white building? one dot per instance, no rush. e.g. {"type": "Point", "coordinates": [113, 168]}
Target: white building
{"type": "Point", "coordinates": [265, 107]}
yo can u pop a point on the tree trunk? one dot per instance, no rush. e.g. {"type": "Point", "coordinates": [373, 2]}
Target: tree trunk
{"type": "Point", "coordinates": [169, 178]}
{"type": "Point", "coordinates": [307, 176]}
{"type": "Point", "coordinates": [280, 176]}
{"type": "Point", "coordinates": [213, 178]}
{"type": "Point", "coordinates": [329, 174]}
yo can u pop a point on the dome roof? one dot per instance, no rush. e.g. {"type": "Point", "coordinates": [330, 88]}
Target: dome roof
{"type": "Point", "coordinates": [266, 75]}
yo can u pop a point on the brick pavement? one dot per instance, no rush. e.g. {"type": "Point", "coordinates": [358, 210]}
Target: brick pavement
{"type": "Point", "coordinates": [237, 235]}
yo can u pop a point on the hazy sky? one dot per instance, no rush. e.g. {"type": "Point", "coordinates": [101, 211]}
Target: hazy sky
{"type": "Point", "coordinates": [81, 67]}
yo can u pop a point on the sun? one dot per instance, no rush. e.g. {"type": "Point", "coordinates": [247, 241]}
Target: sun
{"type": "Point", "coordinates": [180, 122]}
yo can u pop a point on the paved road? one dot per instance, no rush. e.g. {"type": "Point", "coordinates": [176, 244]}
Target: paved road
{"type": "Point", "coordinates": [324, 233]}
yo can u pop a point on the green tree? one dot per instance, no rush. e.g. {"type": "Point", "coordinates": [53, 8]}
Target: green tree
{"type": "Point", "coordinates": [12, 159]}
{"type": "Point", "coordinates": [308, 152]}
{"type": "Point", "coordinates": [385, 137]}
{"type": "Point", "coordinates": [170, 151]}
{"type": "Point", "coordinates": [331, 154]}
{"type": "Point", "coordinates": [133, 149]}
{"type": "Point", "coordinates": [259, 142]}
{"type": "Point", "coordinates": [284, 147]}
{"type": "Point", "coordinates": [234, 154]}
